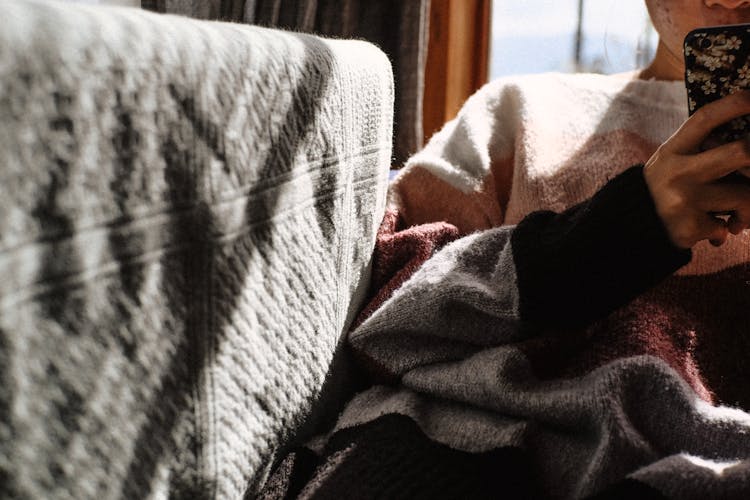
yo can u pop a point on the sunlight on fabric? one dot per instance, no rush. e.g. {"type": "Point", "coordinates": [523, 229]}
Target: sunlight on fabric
{"type": "Point", "coordinates": [717, 467]}
{"type": "Point", "coordinates": [722, 413]}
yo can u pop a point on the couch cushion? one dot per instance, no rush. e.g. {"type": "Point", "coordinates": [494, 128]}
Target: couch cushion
{"type": "Point", "coordinates": [187, 213]}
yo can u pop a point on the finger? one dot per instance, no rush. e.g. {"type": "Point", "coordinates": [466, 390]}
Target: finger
{"type": "Point", "coordinates": [736, 225]}
{"type": "Point", "coordinates": [714, 230]}
{"type": "Point", "coordinates": [724, 198]}
{"type": "Point", "coordinates": [708, 227]}
{"type": "Point", "coordinates": [698, 227]}
{"type": "Point", "coordinates": [720, 161]}
{"type": "Point", "coordinates": [739, 221]}
{"type": "Point", "coordinates": [696, 128]}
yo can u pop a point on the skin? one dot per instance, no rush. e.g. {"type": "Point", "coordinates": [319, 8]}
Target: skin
{"type": "Point", "coordinates": [673, 19]}
{"type": "Point", "coordinates": [689, 186]}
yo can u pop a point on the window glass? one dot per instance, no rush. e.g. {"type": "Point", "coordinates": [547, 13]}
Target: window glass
{"type": "Point", "coordinates": [535, 36]}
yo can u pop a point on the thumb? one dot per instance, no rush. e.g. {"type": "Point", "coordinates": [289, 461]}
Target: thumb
{"type": "Point", "coordinates": [715, 230]}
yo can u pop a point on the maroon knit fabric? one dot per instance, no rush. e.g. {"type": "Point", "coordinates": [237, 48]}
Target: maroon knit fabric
{"type": "Point", "coordinates": [399, 252]}
{"type": "Point", "coordinates": [691, 322]}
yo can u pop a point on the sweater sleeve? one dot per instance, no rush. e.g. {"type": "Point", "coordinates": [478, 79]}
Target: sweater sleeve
{"type": "Point", "coordinates": [463, 174]}
{"type": "Point", "coordinates": [579, 265]}
{"type": "Point", "coordinates": [495, 287]}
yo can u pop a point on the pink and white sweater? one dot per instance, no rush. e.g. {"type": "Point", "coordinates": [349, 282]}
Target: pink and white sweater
{"type": "Point", "coordinates": [545, 358]}
{"type": "Point", "coordinates": [548, 142]}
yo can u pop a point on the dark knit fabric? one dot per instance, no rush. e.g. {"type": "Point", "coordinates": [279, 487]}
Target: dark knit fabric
{"type": "Point", "coordinates": [579, 265]}
{"type": "Point", "coordinates": [629, 489]}
{"type": "Point", "coordinates": [391, 458]}
{"type": "Point", "coordinates": [289, 476]}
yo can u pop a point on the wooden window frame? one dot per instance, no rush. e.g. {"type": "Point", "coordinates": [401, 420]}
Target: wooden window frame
{"type": "Point", "coordinates": [458, 53]}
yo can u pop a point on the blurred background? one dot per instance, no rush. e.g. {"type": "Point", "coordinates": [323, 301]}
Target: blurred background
{"type": "Point", "coordinates": [600, 36]}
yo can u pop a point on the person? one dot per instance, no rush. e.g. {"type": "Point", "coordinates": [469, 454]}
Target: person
{"type": "Point", "coordinates": [574, 340]}
{"type": "Point", "coordinates": [548, 142]}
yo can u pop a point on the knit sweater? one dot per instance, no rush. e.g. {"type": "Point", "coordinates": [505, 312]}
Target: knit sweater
{"type": "Point", "coordinates": [470, 406]}
{"type": "Point", "coordinates": [565, 356]}
{"type": "Point", "coordinates": [547, 142]}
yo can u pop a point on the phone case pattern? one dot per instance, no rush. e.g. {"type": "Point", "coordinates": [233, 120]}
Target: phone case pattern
{"type": "Point", "coordinates": [716, 62]}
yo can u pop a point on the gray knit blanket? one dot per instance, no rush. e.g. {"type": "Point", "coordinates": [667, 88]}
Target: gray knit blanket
{"type": "Point", "coordinates": [469, 380]}
{"type": "Point", "coordinates": [485, 386]}
{"type": "Point", "coordinates": [187, 215]}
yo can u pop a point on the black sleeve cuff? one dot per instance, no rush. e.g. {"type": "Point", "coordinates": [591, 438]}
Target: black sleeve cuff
{"type": "Point", "coordinates": [580, 265]}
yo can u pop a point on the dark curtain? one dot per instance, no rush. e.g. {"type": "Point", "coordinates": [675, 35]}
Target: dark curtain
{"type": "Point", "coordinates": [398, 27]}
{"type": "Point", "coordinates": [225, 10]}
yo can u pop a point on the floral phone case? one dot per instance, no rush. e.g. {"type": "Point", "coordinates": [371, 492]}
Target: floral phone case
{"type": "Point", "coordinates": [716, 64]}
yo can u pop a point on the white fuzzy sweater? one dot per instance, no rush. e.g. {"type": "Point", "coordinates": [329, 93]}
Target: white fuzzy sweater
{"type": "Point", "coordinates": [545, 142]}
{"type": "Point", "coordinates": [550, 141]}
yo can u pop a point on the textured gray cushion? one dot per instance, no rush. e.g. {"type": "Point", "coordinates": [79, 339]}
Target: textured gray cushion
{"type": "Point", "coordinates": [187, 212]}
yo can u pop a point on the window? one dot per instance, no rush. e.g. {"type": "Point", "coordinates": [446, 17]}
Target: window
{"type": "Point", "coordinates": [534, 36]}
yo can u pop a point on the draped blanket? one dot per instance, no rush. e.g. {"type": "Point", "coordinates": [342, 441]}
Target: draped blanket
{"type": "Point", "coordinates": [485, 389]}
{"type": "Point", "coordinates": [187, 214]}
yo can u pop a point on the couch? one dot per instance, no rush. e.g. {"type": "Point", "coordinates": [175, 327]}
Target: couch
{"type": "Point", "coordinates": [187, 215]}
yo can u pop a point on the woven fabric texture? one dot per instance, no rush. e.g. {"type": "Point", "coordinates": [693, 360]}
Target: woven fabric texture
{"type": "Point", "coordinates": [187, 213]}
{"type": "Point", "coordinates": [399, 28]}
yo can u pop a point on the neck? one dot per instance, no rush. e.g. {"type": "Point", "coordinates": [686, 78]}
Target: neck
{"type": "Point", "coordinates": [666, 65]}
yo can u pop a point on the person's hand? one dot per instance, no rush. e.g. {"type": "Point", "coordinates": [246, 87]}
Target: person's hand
{"type": "Point", "coordinates": [690, 190]}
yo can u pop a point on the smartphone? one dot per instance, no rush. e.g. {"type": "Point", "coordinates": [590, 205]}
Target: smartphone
{"type": "Point", "coordinates": [717, 64]}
